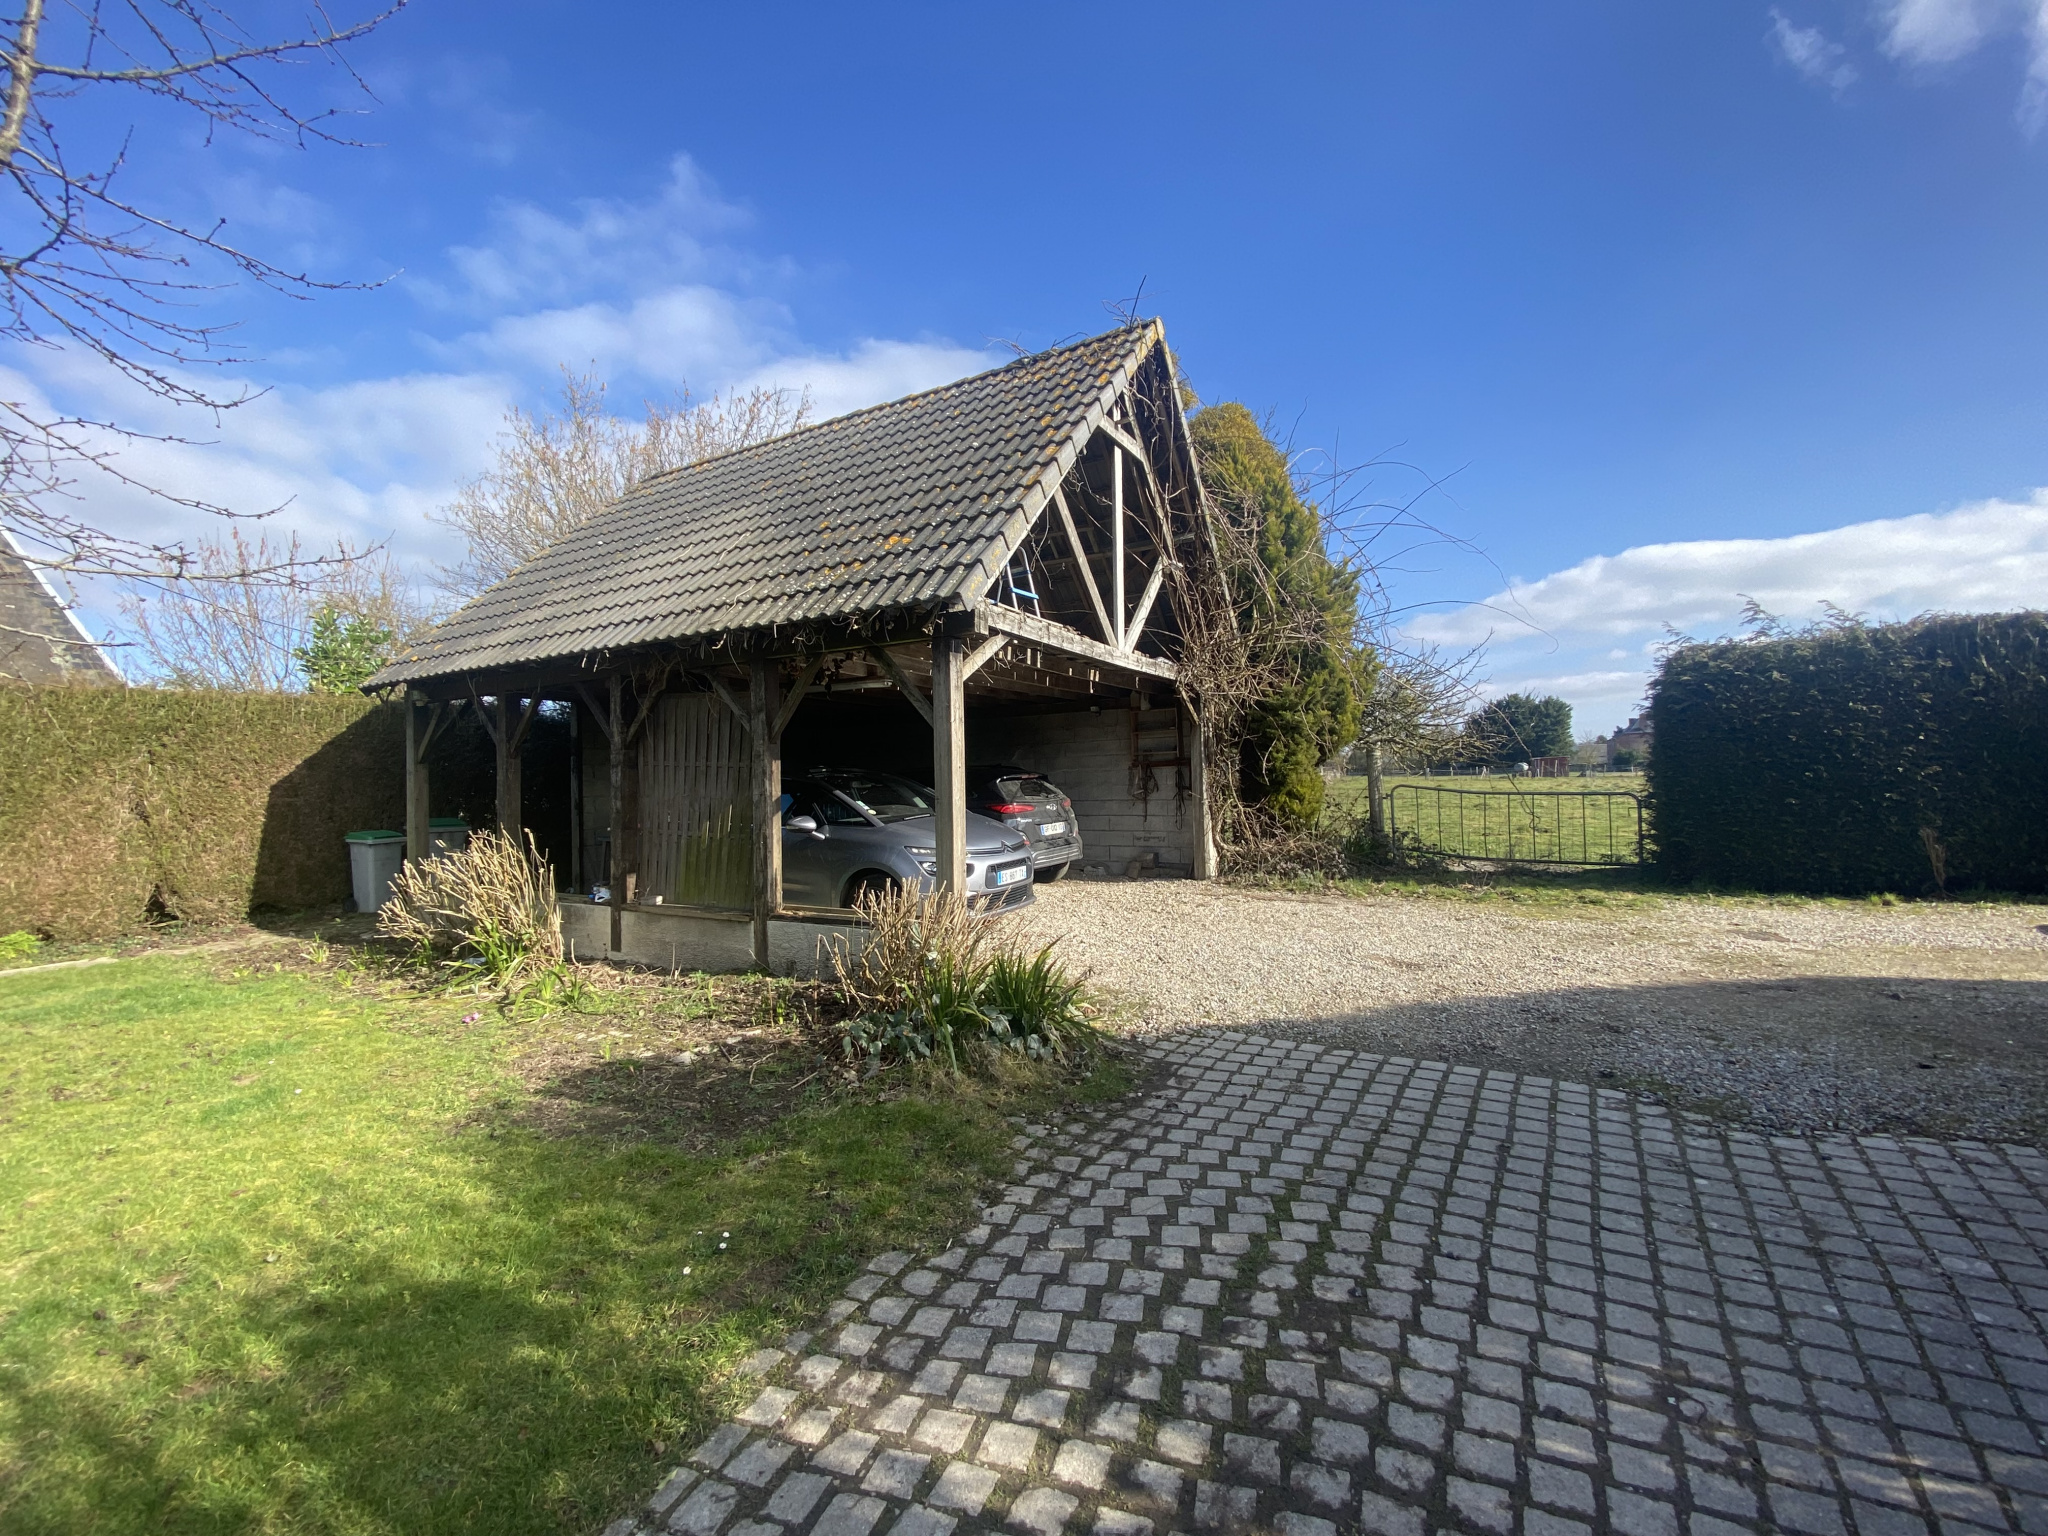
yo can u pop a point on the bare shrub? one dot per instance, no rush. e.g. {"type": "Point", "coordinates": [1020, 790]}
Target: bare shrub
{"type": "Point", "coordinates": [489, 907]}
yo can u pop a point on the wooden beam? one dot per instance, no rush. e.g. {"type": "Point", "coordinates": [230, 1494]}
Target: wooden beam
{"type": "Point", "coordinates": [1124, 440]}
{"type": "Point", "coordinates": [650, 698]}
{"type": "Point", "coordinates": [902, 680]}
{"type": "Point", "coordinates": [997, 619]}
{"type": "Point", "coordinates": [1059, 501]}
{"type": "Point", "coordinates": [438, 720]}
{"type": "Point", "coordinates": [506, 740]}
{"type": "Point", "coordinates": [725, 697]}
{"type": "Point", "coordinates": [1152, 586]}
{"type": "Point", "coordinates": [1198, 791]}
{"type": "Point", "coordinates": [418, 725]}
{"type": "Point", "coordinates": [525, 722]}
{"type": "Point", "coordinates": [625, 807]}
{"type": "Point", "coordinates": [575, 800]}
{"type": "Point", "coordinates": [804, 680]}
{"type": "Point", "coordinates": [596, 706]}
{"type": "Point", "coordinates": [1116, 543]}
{"type": "Point", "coordinates": [481, 713]}
{"type": "Point", "coordinates": [949, 763]}
{"type": "Point", "coordinates": [982, 655]}
{"type": "Point", "coordinates": [765, 678]}
{"type": "Point", "coordinates": [1136, 449]}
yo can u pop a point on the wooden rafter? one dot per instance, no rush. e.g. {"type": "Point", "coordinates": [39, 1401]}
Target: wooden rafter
{"type": "Point", "coordinates": [725, 697]}
{"type": "Point", "coordinates": [897, 675]}
{"type": "Point", "coordinates": [490, 725]}
{"type": "Point", "coordinates": [982, 655]}
{"type": "Point", "coordinates": [526, 718]}
{"type": "Point", "coordinates": [600, 711]}
{"type": "Point", "coordinates": [1144, 610]}
{"type": "Point", "coordinates": [1073, 533]}
{"type": "Point", "coordinates": [1116, 544]}
{"type": "Point", "coordinates": [803, 680]}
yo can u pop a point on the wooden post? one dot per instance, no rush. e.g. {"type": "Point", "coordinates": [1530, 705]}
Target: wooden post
{"type": "Point", "coordinates": [418, 829]}
{"type": "Point", "coordinates": [507, 745]}
{"type": "Point", "coordinates": [949, 761]}
{"type": "Point", "coordinates": [625, 810]}
{"type": "Point", "coordinates": [763, 708]}
{"type": "Point", "coordinates": [1375, 793]}
{"type": "Point", "coordinates": [575, 796]}
{"type": "Point", "coordinates": [1116, 542]}
{"type": "Point", "coordinates": [1198, 791]}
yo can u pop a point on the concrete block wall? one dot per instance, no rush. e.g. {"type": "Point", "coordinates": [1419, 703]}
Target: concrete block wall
{"type": "Point", "coordinates": [689, 939]}
{"type": "Point", "coordinates": [1089, 756]}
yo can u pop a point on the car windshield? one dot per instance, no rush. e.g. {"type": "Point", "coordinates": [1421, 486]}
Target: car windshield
{"type": "Point", "coordinates": [1026, 787]}
{"type": "Point", "coordinates": [814, 800]}
{"type": "Point", "coordinates": [882, 796]}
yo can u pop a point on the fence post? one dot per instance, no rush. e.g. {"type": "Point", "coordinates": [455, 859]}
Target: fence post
{"type": "Point", "coordinates": [1376, 806]}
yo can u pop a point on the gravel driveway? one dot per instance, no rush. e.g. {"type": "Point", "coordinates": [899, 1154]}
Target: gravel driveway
{"type": "Point", "coordinates": [1795, 1017]}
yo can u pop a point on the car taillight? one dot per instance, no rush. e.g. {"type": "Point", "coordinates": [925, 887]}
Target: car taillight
{"type": "Point", "coordinates": [1011, 810]}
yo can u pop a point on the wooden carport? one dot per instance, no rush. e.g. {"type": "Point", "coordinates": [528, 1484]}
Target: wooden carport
{"type": "Point", "coordinates": [1019, 541]}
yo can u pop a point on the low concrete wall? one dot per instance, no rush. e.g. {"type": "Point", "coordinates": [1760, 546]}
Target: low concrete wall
{"type": "Point", "coordinates": [693, 939]}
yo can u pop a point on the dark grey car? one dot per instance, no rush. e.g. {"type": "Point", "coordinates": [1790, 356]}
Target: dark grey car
{"type": "Point", "coordinates": [1034, 805]}
{"type": "Point", "coordinates": [846, 833]}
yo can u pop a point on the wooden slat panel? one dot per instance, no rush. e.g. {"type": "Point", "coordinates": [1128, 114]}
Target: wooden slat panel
{"type": "Point", "coordinates": [695, 770]}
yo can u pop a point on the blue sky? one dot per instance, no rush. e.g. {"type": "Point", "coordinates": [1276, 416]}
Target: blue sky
{"type": "Point", "coordinates": [1669, 302]}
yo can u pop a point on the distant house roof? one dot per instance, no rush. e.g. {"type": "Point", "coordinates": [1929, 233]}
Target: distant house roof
{"type": "Point", "coordinates": [915, 504]}
{"type": "Point", "coordinates": [40, 640]}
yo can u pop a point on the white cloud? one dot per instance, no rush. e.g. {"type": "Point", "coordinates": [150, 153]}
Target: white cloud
{"type": "Point", "coordinates": [1935, 32]}
{"type": "Point", "coordinates": [1552, 635]}
{"type": "Point", "coordinates": [872, 371]}
{"type": "Point", "coordinates": [1809, 50]}
{"type": "Point", "coordinates": [610, 244]}
{"type": "Point", "coordinates": [643, 292]}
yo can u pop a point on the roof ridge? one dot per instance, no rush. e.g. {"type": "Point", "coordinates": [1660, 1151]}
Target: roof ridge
{"type": "Point", "coordinates": [885, 405]}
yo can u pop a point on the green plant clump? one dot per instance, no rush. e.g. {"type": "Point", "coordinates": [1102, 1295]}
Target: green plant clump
{"type": "Point", "coordinates": [937, 981]}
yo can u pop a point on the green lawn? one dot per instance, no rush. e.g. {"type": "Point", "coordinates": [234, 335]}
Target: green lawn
{"type": "Point", "coordinates": [282, 1255]}
{"type": "Point", "coordinates": [1542, 820]}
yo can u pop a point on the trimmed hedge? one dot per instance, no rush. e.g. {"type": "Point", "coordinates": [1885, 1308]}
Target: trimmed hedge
{"type": "Point", "coordinates": [120, 807]}
{"type": "Point", "coordinates": [1813, 763]}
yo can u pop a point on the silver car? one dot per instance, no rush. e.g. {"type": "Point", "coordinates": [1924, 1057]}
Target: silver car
{"type": "Point", "coordinates": [846, 834]}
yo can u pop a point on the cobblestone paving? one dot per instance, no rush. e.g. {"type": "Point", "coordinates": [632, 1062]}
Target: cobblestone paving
{"type": "Point", "coordinates": [1303, 1291]}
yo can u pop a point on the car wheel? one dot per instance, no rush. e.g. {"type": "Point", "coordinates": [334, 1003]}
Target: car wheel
{"type": "Point", "coordinates": [870, 885]}
{"type": "Point", "coordinates": [1047, 876]}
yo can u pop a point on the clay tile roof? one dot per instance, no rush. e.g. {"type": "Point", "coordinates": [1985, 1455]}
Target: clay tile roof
{"type": "Point", "coordinates": [909, 505]}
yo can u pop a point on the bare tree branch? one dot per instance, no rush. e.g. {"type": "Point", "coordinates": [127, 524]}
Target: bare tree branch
{"type": "Point", "coordinates": [93, 265]}
{"type": "Point", "coordinates": [557, 471]}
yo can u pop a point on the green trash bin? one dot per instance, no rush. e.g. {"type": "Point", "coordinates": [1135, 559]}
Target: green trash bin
{"type": "Point", "coordinates": [447, 834]}
{"type": "Point", "coordinates": [374, 859]}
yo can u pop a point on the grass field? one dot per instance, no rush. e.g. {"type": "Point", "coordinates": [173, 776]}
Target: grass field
{"type": "Point", "coordinates": [280, 1253]}
{"type": "Point", "coordinates": [1567, 821]}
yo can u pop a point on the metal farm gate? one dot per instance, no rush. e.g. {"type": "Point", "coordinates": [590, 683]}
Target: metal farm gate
{"type": "Point", "coordinates": [1591, 827]}
{"type": "Point", "coordinates": [696, 825]}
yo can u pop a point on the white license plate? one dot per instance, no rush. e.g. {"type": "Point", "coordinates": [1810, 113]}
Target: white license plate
{"type": "Point", "coordinates": [1051, 828]}
{"type": "Point", "coordinates": [1008, 876]}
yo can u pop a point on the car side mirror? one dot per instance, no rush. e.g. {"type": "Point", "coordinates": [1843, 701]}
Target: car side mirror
{"type": "Point", "coordinates": [805, 824]}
